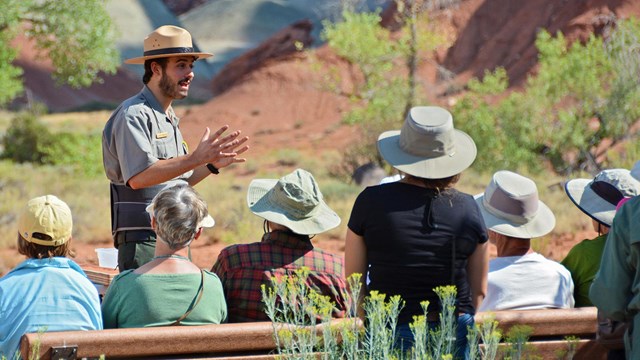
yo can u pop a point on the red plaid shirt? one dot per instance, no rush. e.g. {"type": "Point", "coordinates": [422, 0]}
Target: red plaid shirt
{"type": "Point", "coordinates": [243, 268]}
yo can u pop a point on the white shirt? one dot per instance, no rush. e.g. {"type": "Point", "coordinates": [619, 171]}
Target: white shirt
{"type": "Point", "coordinates": [527, 282]}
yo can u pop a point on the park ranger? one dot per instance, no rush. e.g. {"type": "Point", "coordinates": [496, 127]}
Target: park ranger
{"type": "Point", "coordinates": [143, 149]}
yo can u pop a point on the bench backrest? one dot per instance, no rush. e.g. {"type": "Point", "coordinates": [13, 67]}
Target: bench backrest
{"type": "Point", "coordinates": [255, 340]}
{"type": "Point", "coordinates": [551, 327]}
{"type": "Point", "coordinates": [580, 322]}
{"type": "Point", "coordinates": [224, 340]}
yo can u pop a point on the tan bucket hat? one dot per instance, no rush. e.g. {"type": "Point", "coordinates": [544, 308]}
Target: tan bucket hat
{"type": "Point", "coordinates": [294, 201]}
{"type": "Point", "coordinates": [428, 146]}
{"type": "Point", "coordinates": [598, 197]}
{"type": "Point", "coordinates": [46, 215]}
{"type": "Point", "coordinates": [510, 206]}
{"type": "Point", "coordinates": [166, 41]}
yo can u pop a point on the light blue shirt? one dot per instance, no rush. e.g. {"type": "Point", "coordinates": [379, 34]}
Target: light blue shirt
{"type": "Point", "coordinates": [52, 294]}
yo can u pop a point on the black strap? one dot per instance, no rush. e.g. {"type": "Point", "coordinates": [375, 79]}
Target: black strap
{"type": "Point", "coordinates": [128, 207]}
{"type": "Point", "coordinates": [198, 295]}
{"type": "Point", "coordinates": [453, 260]}
{"type": "Point", "coordinates": [607, 192]}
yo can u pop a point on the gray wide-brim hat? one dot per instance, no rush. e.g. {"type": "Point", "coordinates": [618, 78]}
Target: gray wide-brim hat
{"type": "Point", "coordinates": [598, 197]}
{"type": "Point", "coordinates": [510, 206]}
{"type": "Point", "coordinates": [428, 146]}
{"type": "Point", "coordinates": [294, 201]}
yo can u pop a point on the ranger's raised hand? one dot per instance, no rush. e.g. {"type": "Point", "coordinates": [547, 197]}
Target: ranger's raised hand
{"type": "Point", "coordinates": [221, 151]}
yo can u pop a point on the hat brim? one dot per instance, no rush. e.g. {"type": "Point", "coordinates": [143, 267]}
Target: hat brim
{"type": "Point", "coordinates": [580, 193]}
{"type": "Point", "coordinates": [540, 225]}
{"type": "Point", "coordinates": [142, 59]}
{"type": "Point", "coordinates": [323, 219]}
{"type": "Point", "coordinates": [431, 168]}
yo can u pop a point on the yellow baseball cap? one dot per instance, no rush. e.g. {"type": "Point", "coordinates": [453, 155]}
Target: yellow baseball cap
{"type": "Point", "coordinates": [46, 215]}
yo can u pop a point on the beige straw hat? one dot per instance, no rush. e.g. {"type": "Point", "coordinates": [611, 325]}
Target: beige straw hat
{"type": "Point", "coordinates": [166, 41]}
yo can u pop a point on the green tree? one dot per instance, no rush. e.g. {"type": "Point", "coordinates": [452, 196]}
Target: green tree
{"type": "Point", "coordinates": [77, 36]}
{"type": "Point", "coordinates": [386, 63]}
{"type": "Point", "coordinates": [582, 95]}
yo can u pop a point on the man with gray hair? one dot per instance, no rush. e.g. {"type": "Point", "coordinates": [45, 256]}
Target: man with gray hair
{"type": "Point", "coordinates": [157, 293]}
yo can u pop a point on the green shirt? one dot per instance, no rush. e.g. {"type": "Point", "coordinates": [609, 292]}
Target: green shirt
{"type": "Point", "coordinates": [145, 300]}
{"type": "Point", "coordinates": [583, 262]}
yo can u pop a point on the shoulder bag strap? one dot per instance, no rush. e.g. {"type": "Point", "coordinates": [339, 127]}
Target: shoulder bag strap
{"type": "Point", "coordinates": [199, 296]}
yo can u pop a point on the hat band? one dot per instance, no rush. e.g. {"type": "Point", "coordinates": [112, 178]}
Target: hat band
{"type": "Point", "coordinates": [503, 205]}
{"type": "Point", "coordinates": [513, 218]}
{"type": "Point", "coordinates": [607, 192]}
{"type": "Point", "coordinates": [167, 51]}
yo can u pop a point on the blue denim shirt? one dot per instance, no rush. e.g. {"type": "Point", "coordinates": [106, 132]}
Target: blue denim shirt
{"type": "Point", "coordinates": [52, 294]}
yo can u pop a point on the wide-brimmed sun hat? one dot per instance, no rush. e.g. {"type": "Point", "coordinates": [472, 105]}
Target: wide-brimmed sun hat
{"type": "Point", "coordinates": [167, 41]}
{"type": "Point", "coordinates": [46, 215]}
{"type": "Point", "coordinates": [598, 197]}
{"type": "Point", "coordinates": [428, 146]}
{"type": "Point", "coordinates": [294, 201]}
{"type": "Point", "coordinates": [510, 206]}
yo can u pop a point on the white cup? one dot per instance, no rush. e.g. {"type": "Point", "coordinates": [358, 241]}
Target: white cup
{"type": "Point", "coordinates": [107, 257]}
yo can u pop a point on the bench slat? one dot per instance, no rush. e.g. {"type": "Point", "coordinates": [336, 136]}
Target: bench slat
{"type": "Point", "coordinates": [255, 340]}
{"type": "Point", "coordinates": [548, 322]}
{"type": "Point", "coordinates": [161, 341]}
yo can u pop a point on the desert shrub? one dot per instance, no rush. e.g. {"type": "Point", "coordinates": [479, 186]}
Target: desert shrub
{"type": "Point", "coordinates": [25, 139]}
{"type": "Point", "coordinates": [294, 309]}
{"type": "Point", "coordinates": [517, 338]}
{"type": "Point", "coordinates": [583, 94]}
{"type": "Point", "coordinates": [386, 63]}
{"type": "Point", "coordinates": [28, 140]}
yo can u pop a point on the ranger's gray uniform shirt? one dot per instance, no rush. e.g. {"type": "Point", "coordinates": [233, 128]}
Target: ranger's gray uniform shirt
{"type": "Point", "coordinates": [138, 134]}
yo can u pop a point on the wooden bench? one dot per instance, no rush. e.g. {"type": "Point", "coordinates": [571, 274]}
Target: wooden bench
{"type": "Point", "coordinates": [224, 341]}
{"type": "Point", "coordinates": [255, 340]}
{"type": "Point", "coordinates": [551, 327]}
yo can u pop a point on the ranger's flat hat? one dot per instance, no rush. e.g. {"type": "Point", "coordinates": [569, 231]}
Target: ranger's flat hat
{"type": "Point", "coordinates": [167, 41]}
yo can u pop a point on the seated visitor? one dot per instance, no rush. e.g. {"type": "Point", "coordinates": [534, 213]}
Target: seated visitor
{"type": "Point", "coordinates": [519, 278]}
{"type": "Point", "coordinates": [597, 198]}
{"type": "Point", "coordinates": [292, 209]}
{"type": "Point", "coordinates": [48, 291]}
{"type": "Point", "coordinates": [614, 290]}
{"type": "Point", "coordinates": [170, 289]}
